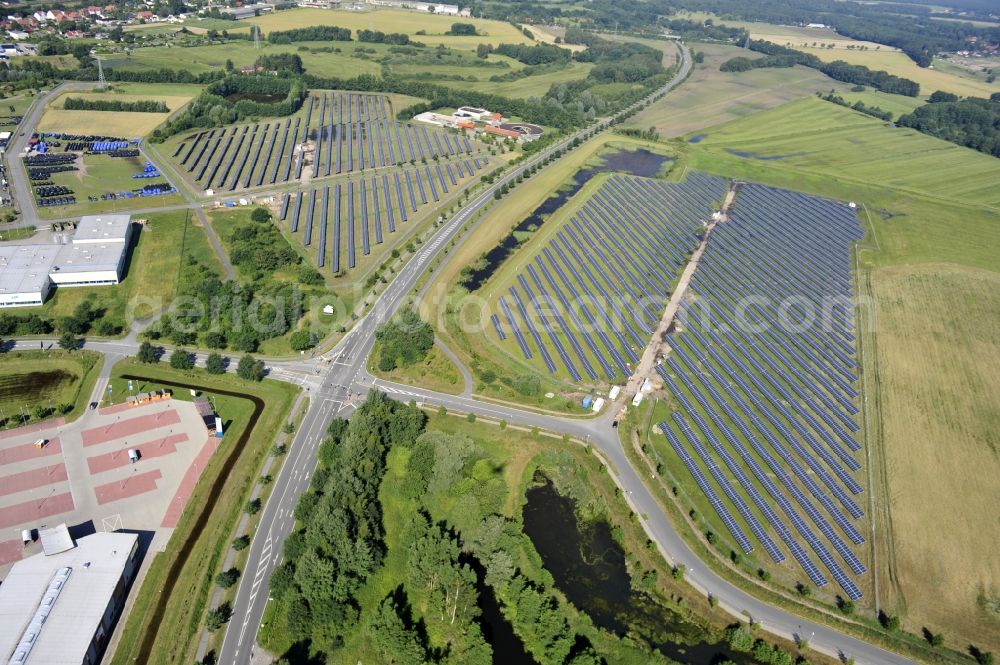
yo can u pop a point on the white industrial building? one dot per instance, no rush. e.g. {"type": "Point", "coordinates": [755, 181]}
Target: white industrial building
{"type": "Point", "coordinates": [95, 255]}
{"type": "Point", "coordinates": [59, 607]}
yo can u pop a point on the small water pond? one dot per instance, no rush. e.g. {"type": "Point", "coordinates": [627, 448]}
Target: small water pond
{"type": "Point", "coordinates": [588, 566]}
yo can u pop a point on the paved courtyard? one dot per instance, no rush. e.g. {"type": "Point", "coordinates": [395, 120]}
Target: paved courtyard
{"type": "Point", "coordinates": [84, 475]}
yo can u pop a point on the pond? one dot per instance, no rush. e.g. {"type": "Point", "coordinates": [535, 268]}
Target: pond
{"type": "Point", "coordinates": [588, 566]}
{"type": "Point", "coordinates": [260, 98]}
{"type": "Point", "coordinates": [508, 649]}
{"type": "Point", "coordinates": [640, 162]}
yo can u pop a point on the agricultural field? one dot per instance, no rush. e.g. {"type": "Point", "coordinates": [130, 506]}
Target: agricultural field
{"type": "Point", "coordinates": [424, 27]}
{"type": "Point", "coordinates": [938, 378]}
{"type": "Point", "coordinates": [341, 133]}
{"type": "Point", "coordinates": [609, 249]}
{"type": "Point", "coordinates": [787, 35]}
{"type": "Point", "coordinates": [133, 125]}
{"type": "Point", "coordinates": [207, 58]}
{"type": "Point", "coordinates": [875, 56]}
{"type": "Point", "coordinates": [959, 81]}
{"type": "Point", "coordinates": [811, 136]}
{"type": "Point", "coordinates": [710, 97]}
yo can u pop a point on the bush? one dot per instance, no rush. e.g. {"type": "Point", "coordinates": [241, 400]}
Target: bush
{"type": "Point", "coordinates": [147, 353]}
{"type": "Point", "coordinates": [240, 543]}
{"type": "Point", "coordinates": [252, 507]}
{"type": "Point", "coordinates": [227, 578]}
{"type": "Point", "coordinates": [300, 340]}
{"type": "Point", "coordinates": [250, 369]}
{"type": "Point", "coordinates": [215, 364]}
{"type": "Point", "coordinates": [218, 617]}
{"type": "Point", "coordinates": [181, 359]}
{"type": "Point", "coordinates": [260, 215]}
{"type": "Point", "coordinates": [528, 385]}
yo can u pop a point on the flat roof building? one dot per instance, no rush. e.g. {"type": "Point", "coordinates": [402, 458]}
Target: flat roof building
{"type": "Point", "coordinates": [95, 255]}
{"type": "Point", "coordinates": [103, 228]}
{"type": "Point", "coordinates": [60, 609]}
{"type": "Point", "coordinates": [24, 274]}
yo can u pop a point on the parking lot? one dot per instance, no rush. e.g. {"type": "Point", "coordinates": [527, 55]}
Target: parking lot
{"type": "Point", "coordinates": [83, 474]}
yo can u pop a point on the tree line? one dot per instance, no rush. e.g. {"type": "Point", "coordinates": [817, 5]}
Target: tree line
{"type": "Point", "coordinates": [858, 106]}
{"type": "Point", "coordinates": [139, 106]}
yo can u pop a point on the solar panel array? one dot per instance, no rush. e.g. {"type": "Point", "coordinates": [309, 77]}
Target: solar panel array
{"type": "Point", "coordinates": [585, 304]}
{"type": "Point", "coordinates": [345, 220]}
{"type": "Point", "coordinates": [347, 132]}
{"type": "Point", "coordinates": [769, 381]}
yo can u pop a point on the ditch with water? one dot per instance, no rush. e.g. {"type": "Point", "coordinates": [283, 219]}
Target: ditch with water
{"type": "Point", "coordinates": [639, 162]}
{"type": "Point", "coordinates": [588, 566]}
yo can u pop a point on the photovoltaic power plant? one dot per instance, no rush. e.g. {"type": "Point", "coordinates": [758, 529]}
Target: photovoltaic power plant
{"type": "Point", "coordinates": [342, 133]}
{"type": "Point", "coordinates": [763, 369]}
{"type": "Point", "coordinates": [586, 303]}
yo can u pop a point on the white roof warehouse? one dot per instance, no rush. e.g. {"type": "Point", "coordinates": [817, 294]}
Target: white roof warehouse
{"type": "Point", "coordinates": [95, 255]}
{"type": "Point", "coordinates": [60, 609]}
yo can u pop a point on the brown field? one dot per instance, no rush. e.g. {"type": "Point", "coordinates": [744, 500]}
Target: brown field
{"type": "Point", "coordinates": [710, 97]}
{"type": "Point", "coordinates": [938, 332]}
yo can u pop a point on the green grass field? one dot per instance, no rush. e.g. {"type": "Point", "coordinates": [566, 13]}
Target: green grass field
{"type": "Point", "coordinates": [817, 137]}
{"type": "Point", "coordinates": [710, 97]}
{"type": "Point", "coordinates": [47, 379]}
{"type": "Point", "coordinates": [531, 86]}
{"type": "Point", "coordinates": [175, 638]}
{"type": "Point", "coordinates": [435, 372]}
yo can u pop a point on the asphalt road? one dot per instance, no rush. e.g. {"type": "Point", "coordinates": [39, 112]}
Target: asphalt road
{"type": "Point", "coordinates": [339, 380]}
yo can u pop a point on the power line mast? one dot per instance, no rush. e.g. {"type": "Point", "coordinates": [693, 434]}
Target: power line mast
{"type": "Point", "coordinates": [102, 85]}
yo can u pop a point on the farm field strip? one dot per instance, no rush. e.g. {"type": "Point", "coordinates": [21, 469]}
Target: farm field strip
{"type": "Point", "coordinates": [340, 133]}
{"type": "Point", "coordinates": [787, 390]}
{"type": "Point", "coordinates": [598, 286]}
{"type": "Point", "coordinates": [368, 209]}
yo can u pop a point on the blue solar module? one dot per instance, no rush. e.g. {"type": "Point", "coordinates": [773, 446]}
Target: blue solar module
{"type": "Point", "coordinates": [496, 324]}
{"type": "Point", "coordinates": [325, 210]}
{"type": "Point", "coordinates": [351, 258]}
{"type": "Point", "coordinates": [512, 324]}
{"type": "Point", "coordinates": [309, 219]}
{"type": "Point", "coordinates": [399, 195]}
{"type": "Point", "coordinates": [390, 218]}
{"type": "Point", "coordinates": [363, 197]}
{"type": "Point", "coordinates": [284, 206]}
{"type": "Point", "coordinates": [430, 181]}
{"type": "Point", "coordinates": [298, 209]}
{"type": "Point", "coordinates": [335, 249]}
{"type": "Point", "coordinates": [376, 211]}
